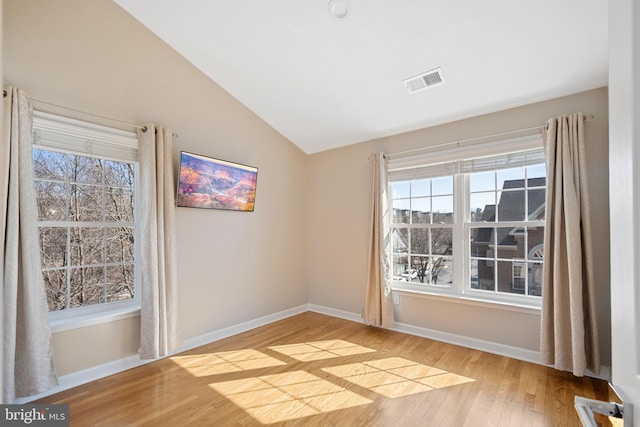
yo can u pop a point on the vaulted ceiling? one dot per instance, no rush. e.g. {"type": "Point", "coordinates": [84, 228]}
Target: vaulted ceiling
{"type": "Point", "coordinates": [326, 81]}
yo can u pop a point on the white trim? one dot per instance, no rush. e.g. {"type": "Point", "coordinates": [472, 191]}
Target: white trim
{"type": "Point", "coordinates": [83, 318]}
{"type": "Point", "coordinates": [476, 344]}
{"type": "Point", "coordinates": [439, 157]}
{"type": "Point", "coordinates": [75, 379]}
{"type": "Point", "coordinates": [83, 129]}
{"type": "Point", "coordinates": [239, 328]}
{"type": "Point", "coordinates": [467, 299]}
{"type": "Point", "coordinates": [467, 342]}
{"type": "Point", "coordinates": [51, 131]}
{"type": "Point", "coordinates": [334, 312]}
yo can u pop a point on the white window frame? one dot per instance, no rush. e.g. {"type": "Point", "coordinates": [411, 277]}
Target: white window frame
{"type": "Point", "coordinates": [452, 162]}
{"type": "Point", "coordinates": [61, 134]}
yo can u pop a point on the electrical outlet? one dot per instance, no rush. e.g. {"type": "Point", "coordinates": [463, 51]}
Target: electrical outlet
{"type": "Point", "coordinates": [396, 299]}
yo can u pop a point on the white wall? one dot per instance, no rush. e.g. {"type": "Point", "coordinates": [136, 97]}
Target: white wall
{"type": "Point", "coordinates": [1, 250]}
{"type": "Point", "coordinates": [624, 102]}
{"type": "Point", "coordinates": [338, 194]}
{"type": "Point", "coordinates": [233, 266]}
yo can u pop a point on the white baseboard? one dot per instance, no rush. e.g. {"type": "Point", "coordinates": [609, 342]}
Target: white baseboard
{"type": "Point", "coordinates": [489, 347]}
{"type": "Point", "coordinates": [473, 343]}
{"type": "Point", "coordinates": [239, 328]}
{"type": "Point", "coordinates": [334, 312]}
{"type": "Point", "coordinates": [82, 377]}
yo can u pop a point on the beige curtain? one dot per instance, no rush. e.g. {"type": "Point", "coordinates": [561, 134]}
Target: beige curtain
{"type": "Point", "coordinates": [569, 335]}
{"type": "Point", "coordinates": [26, 342]}
{"type": "Point", "coordinates": [378, 308]}
{"type": "Point", "coordinates": [159, 307]}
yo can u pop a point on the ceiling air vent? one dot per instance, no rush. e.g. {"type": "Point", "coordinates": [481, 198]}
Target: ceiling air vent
{"type": "Point", "coordinates": [423, 81]}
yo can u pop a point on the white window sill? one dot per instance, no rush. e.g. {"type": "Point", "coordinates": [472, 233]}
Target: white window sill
{"type": "Point", "coordinates": [92, 317]}
{"type": "Point", "coordinates": [448, 296]}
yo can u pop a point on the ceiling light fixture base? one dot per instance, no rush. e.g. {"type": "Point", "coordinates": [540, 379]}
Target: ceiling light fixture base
{"type": "Point", "coordinates": [339, 9]}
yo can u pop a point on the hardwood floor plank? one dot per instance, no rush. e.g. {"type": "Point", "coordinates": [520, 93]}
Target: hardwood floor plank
{"type": "Point", "coordinates": [316, 370]}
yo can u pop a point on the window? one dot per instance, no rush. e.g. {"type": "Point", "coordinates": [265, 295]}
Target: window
{"type": "Point", "coordinates": [473, 226]}
{"type": "Point", "coordinates": [514, 200]}
{"type": "Point", "coordinates": [86, 187]}
{"type": "Point", "coordinates": [422, 235]}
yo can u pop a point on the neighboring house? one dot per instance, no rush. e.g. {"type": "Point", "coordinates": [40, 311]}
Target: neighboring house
{"type": "Point", "coordinates": [499, 244]}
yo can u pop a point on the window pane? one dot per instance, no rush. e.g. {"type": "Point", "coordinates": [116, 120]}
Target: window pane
{"type": "Point", "coordinates": [482, 181]}
{"type": "Point", "coordinates": [536, 171]}
{"type": "Point", "coordinates": [420, 188]}
{"type": "Point", "coordinates": [505, 278]}
{"type": "Point", "coordinates": [535, 278]}
{"type": "Point", "coordinates": [473, 275]}
{"type": "Point", "coordinates": [536, 200]}
{"type": "Point", "coordinates": [87, 286]}
{"type": "Point", "coordinates": [420, 210]}
{"type": "Point", "coordinates": [535, 250]}
{"type": "Point", "coordinates": [118, 174]}
{"type": "Point", "coordinates": [442, 210]}
{"type": "Point", "coordinates": [400, 264]}
{"type": "Point", "coordinates": [86, 203]}
{"type": "Point", "coordinates": [482, 241]}
{"type": "Point", "coordinates": [49, 165]}
{"type": "Point", "coordinates": [420, 241]}
{"type": "Point", "coordinates": [119, 204]}
{"type": "Point", "coordinates": [87, 245]}
{"type": "Point", "coordinates": [510, 242]}
{"type": "Point", "coordinates": [419, 271]}
{"type": "Point", "coordinates": [511, 206]}
{"type": "Point", "coordinates": [400, 190]}
{"type": "Point", "coordinates": [483, 207]}
{"type": "Point", "coordinates": [86, 170]}
{"type": "Point", "coordinates": [401, 211]}
{"type": "Point", "coordinates": [52, 200]}
{"type": "Point", "coordinates": [120, 281]}
{"type": "Point", "coordinates": [441, 271]}
{"type": "Point", "coordinates": [400, 238]}
{"type": "Point", "coordinates": [120, 247]}
{"type": "Point", "coordinates": [441, 241]}
{"type": "Point", "coordinates": [486, 274]}
{"type": "Point", "coordinates": [442, 185]}
{"type": "Point", "coordinates": [53, 246]}
{"type": "Point", "coordinates": [55, 284]}
{"type": "Point", "coordinates": [511, 178]}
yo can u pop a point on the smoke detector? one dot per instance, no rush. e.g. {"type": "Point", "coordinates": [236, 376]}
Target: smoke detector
{"type": "Point", "coordinates": [339, 9]}
{"type": "Point", "coordinates": [423, 81]}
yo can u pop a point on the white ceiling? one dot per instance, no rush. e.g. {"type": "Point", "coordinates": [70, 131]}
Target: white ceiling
{"type": "Point", "coordinates": [324, 82]}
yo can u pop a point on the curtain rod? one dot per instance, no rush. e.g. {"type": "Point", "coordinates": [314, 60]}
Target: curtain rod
{"type": "Point", "coordinates": [143, 128]}
{"type": "Point", "coordinates": [587, 117]}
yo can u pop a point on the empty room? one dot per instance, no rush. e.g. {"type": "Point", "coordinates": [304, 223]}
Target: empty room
{"type": "Point", "coordinates": [330, 212]}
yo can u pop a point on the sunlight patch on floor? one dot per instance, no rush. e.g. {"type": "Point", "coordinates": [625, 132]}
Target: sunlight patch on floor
{"type": "Point", "coordinates": [200, 365]}
{"type": "Point", "coordinates": [287, 396]}
{"type": "Point", "coordinates": [319, 350]}
{"type": "Point", "coordinates": [396, 377]}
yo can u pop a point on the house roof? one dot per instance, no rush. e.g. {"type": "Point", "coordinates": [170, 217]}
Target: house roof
{"type": "Point", "coordinates": [511, 208]}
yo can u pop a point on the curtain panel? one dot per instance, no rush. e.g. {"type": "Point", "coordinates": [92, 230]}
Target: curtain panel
{"type": "Point", "coordinates": [159, 306]}
{"type": "Point", "coordinates": [28, 366]}
{"type": "Point", "coordinates": [569, 334]}
{"type": "Point", "coordinates": [378, 308]}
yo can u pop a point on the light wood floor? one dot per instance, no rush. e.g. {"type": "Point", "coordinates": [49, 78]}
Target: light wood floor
{"type": "Point", "coordinates": [315, 370]}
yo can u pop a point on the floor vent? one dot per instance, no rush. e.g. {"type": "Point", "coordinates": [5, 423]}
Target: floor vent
{"type": "Point", "coordinates": [423, 81]}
